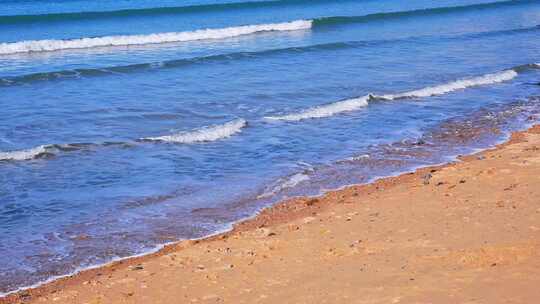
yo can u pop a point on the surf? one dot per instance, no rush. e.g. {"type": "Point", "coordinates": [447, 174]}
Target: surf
{"type": "Point", "coordinates": [325, 110]}
{"type": "Point", "coordinates": [460, 84]}
{"type": "Point", "coordinates": [201, 135]}
{"type": "Point", "coordinates": [354, 104]}
{"type": "Point", "coordinates": [205, 134]}
{"type": "Point", "coordinates": [49, 45]}
{"type": "Point", "coordinates": [32, 46]}
{"type": "Point", "coordinates": [79, 73]}
{"type": "Point", "coordinates": [26, 154]}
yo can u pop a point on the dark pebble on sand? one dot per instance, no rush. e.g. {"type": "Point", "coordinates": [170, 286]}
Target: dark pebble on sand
{"type": "Point", "coordinates": [427, 177]}
{"type": "Point", "coordinates": [312, 201]}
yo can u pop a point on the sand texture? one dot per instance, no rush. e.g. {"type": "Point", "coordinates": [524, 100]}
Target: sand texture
{"type": "Point", "coordinates": [467, 232]}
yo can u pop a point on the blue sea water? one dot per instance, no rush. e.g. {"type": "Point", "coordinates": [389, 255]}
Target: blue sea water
{"type": "Point", "coordinates": [125, 125]}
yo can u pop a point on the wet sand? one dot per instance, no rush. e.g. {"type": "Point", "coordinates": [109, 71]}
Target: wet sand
{"type": "Point", "coordinates": [466, 232]}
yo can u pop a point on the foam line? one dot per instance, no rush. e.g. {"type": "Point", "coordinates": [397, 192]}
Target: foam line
{"type": "Point", "coordinates": [461, 84]}
{"type": "Point", "coordinates": [205, 134]}
{"type": "Point", "coordinates": [360, 102]}
{"type": "Point", "coordinates": [326, 110]}
{"type": "Point", "coordinates": [126, 40]}
{"type": "Point", "coordinates": [26, 154]}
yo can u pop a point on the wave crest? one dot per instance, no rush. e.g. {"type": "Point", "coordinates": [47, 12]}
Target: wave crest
{"type": "Point", "coordinates": [205, 134]}
{"type": "Point", "coordinates": [360, 102]}
{"type": "Point", "coordinates": [26, 154]}
{"type": "Point", "coordinates": [326, 110]}
{"type": "Point", "coordinates": [126, 40]}
{"type": "Point", "coordinates": [453, 86]}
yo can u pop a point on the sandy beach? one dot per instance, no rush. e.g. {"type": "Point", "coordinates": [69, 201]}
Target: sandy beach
{"type": "Point", "coordinates": [466, 232]}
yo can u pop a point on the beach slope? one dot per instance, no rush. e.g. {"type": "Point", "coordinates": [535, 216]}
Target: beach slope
{"type": "Point", "coordinates": [467, 232]}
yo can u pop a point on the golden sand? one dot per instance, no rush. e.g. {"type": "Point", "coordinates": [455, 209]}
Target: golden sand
{"type": "Point", "coordinates": [467, 232]}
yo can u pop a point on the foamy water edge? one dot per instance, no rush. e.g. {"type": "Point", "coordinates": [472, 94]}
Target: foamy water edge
{"type": "Point", "coordinates": [229, 227]}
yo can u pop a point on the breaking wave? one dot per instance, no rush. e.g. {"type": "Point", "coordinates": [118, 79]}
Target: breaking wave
{"type": "Point", "coordinates": [51, 150]}
{"type": "Point", "coordinates": [204, 34]}
{"type": "Point", "coordinates": [23, 154]}
{"type": "Point", "coordinates": [326, 110]}
{"type": "Point", "coordinates": [183, 62]}
{"type": "Point", "coordinates": [360, 102]}
{"type": "Point", "coordinates": [205, 134]}
{"type": "Point", "coordinates": [127, 40]}
{"type": "Point", "coordinates": [213, 133]}
{"type": "Point", "coordinates": [453, 86]}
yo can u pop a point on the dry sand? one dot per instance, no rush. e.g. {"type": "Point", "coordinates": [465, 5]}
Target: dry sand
{"type": "Point", "coordinates": [467, 232]}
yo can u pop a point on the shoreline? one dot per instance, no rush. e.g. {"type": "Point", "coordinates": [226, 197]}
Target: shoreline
{"type": "Point", "coordinates": [288, 211]}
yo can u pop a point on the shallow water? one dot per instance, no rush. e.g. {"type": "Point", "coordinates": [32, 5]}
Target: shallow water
{"type": "Point", "coordinates": [124, 127]}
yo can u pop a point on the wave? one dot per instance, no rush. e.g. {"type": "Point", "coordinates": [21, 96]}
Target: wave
{"type": "Point", "coordinates": [360, 102]}
{"type": "Point", "coordinates": [51, 150]}
{"type": "Point", "coordinates": [284, 184]}
{"type": "Point", "coordinates": [127, 40]}
{"type": "Point", "coordinates": [176, 63]}
{"type": "Point", "coordinates": [326, 110]}
{"type": "Point", "coordinates": [205, 134]}
{"type": "Point", "coordinates": [167, 10]}
{"type": "Point", "coordinates": [337, 20]}
{"type": "Point", "coordinates": [229, 32]}
{"type": "Point", "coordinates": [234, 6]}
{"type": "Point", "coordinates": [230, 128]}
{"type": "Point", "coordinates": [526, 67]}
{"type": "Point", "coordinates": [23, 154]}
{"type": "Point", "coordinates": [452, 86]}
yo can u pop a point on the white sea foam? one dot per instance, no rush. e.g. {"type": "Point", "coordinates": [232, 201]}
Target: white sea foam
{"type": "Point", "coordinates": [356, 103]}
{"type": "Point", "coordinates": [204, 134]}
{"type": "Point", "coordinates": [326, 110]}
{"type": "Point", "coordinates": [359, 157]}
{"type": "Point", "coordinates": [125, 40]}
{"type": "Point", "coordinates": [453, 86]}
{"type": "Point", "coordinates": [285, 183]}
{"type": "Point", "coordinates": [23, 154]}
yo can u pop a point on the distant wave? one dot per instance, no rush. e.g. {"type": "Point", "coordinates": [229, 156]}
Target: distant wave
{"type": "Point", "coordinates": [167, 10]}
{"type": "Point", "coordinates": [360, 102]}
{"type": "Point", "coordinates": [127, 40]}
{"type": "Point", "coordinates": [176, 63]}
{"type": "Point", "coordinates": [336, 20]}
{"type": "Point", "coordinates": [137, 67]}
{"type": "Point", "coordinates": [204, 134]}
{"type": "Point", "coordinates": [229, 32]}
{"type": "Point", "coordinates": [234, 6]}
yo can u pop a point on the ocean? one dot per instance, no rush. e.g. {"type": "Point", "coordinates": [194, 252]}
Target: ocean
{"type": "Point", "coordinates": [126, 125]}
